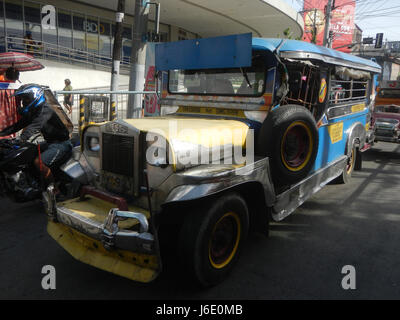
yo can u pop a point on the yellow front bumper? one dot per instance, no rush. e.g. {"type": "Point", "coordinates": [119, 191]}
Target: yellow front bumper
{"type": "Point", "coordinates": [132, 265]}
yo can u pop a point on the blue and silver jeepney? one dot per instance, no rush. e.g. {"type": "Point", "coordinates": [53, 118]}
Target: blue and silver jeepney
{"type": "Point", "coordinates": [249, 129]}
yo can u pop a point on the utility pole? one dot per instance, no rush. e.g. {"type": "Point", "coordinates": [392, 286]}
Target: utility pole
{"type": "Point", "coordinates": [138, 58]}
{"type": "Point", "coordinates": [314, 30]}
{"type": "Point", "coordinates": [116, 58]}
{"type": "Point", "coordinates": [329, 7]}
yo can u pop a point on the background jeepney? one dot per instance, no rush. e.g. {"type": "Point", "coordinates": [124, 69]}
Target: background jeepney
{"type": "Point", "coordinates": [388, 93]}
{"type": "Point", "coordinates": [386, 115]}
{"type": "Point", "coordinates": [296, 112]}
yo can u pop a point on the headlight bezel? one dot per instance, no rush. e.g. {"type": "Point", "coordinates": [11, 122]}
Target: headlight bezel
{"type": "Point", "coordinates": [90, 147]}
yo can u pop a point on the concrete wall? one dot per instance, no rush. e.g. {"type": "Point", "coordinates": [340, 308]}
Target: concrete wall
{"type": "Point", "coordinates": [81, 77]}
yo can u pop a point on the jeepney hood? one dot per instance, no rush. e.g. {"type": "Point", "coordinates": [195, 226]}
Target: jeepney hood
{"type": "Point", "coordinates": [202, 131]}
{"type": "Point", "coordinates": [188, 136]}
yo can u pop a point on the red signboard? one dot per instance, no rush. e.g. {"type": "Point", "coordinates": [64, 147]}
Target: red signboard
{"type": "Point", "coordinates": [342, 22]}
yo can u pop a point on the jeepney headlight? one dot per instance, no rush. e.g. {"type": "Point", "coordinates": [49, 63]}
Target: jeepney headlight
{"type": "Point", "coordinates": [93, 144]}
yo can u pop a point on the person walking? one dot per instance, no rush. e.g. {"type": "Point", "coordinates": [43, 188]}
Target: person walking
{"type": "Point", "coordinates": [68, 98]}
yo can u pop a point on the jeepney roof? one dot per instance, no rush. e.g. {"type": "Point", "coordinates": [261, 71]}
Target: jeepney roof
{"type": "Point", "coordinates": [295, 49]}
{"type": "Point", "coordinates": [235, 51]}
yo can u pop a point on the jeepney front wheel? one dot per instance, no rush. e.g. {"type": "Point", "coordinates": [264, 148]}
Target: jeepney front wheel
{"type": "Point", "coordinates": [289, 137]}
{"type": "Point", "coordinates": [211, 238]}
{"type": "Point", "coordinates": [348, 168]}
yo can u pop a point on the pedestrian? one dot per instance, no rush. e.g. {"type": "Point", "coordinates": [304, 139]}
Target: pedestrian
{"type": "Point", "coordinates": [28, 42]}
{"type": "Point", "coordinates": [68, 98]}
{"type": "Point", "coordinates": [11, 74]}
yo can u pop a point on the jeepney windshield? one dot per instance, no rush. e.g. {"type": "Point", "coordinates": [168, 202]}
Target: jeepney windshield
{"type": "Point", "coordinates": [231, 82]}
{"type": "Point", "coordinates": [389, 93]}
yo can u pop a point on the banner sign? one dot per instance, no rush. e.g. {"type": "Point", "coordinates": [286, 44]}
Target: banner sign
{"type": "Point", "coordinates": [342, 22]}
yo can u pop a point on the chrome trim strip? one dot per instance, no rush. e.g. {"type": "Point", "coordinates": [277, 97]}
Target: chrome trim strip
{"type": "Point", "coordinates": [291, 199]}
{"type": "Point", "coordinates": [309, 55]}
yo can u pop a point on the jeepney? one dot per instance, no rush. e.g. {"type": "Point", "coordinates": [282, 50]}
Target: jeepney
{"type": "Point", "coordinates": [388, 93]}
{"type": "Point", "coordinates": [250, 129]}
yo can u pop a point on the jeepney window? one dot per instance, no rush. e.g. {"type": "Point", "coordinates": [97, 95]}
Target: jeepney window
{"type": "Point", "coordinates": [348, 85]}
{"type": "Point", "coordinates": [230, 82]}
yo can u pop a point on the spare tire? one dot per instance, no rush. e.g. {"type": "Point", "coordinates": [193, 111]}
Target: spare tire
{"type": "Point", "coordinates": [289, 137]}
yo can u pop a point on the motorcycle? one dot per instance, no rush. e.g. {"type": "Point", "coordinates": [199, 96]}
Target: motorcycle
{"type": "Point", "coordinates": [21, 181]}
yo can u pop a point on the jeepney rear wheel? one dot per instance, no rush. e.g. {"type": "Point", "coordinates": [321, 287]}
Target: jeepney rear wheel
{"type": "Point", "coordinates": [211, 239]}
{"type": "Point", "coordinates": [289, 137]}
{"type": "Point", "coordinates": [348, 168]}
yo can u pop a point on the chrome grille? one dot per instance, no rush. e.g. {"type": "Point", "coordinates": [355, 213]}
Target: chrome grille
{"type": "Point", "coordinates": [118, 154]}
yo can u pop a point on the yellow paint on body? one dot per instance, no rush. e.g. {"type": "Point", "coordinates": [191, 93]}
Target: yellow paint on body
{"type": "Point", "coordinates": [358, 108]}
{"type": "Point", "coordinates": [205, 132]}
{"type": "Point", "coordinates": [336, 132]}
{"type": "Point", "coordinates": [97, 210]}
{"type": "Point", "coordinates": [211, 111]}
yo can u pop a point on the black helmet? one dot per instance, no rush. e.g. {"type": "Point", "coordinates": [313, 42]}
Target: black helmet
{"type": "Point", "coordinates": [29, 98]}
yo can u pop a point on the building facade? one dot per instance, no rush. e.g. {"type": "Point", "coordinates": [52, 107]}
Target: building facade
{"type": "Point", "coordinates": [83, 31]}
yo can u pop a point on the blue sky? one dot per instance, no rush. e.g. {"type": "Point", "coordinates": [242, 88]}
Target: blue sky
{"type": "Point", "coordinates": [373, 16]}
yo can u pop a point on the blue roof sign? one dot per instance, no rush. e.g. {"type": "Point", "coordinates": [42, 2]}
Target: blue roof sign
{"type": "Point", "coordinates": [219, 52]}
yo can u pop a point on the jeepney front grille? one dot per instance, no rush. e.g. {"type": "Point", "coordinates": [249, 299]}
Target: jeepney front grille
{"type": "Point", "coordinates": [118, 154]}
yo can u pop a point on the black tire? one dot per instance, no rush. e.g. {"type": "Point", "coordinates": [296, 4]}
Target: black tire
{"type": "Point", "coordinates": [297, 123]}
{"type": "Point", "coordinates": [348, 169]}
{"type": "Point", "coordinates": [222, 224]}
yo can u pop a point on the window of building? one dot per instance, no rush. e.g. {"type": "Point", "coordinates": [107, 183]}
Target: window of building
{"type": "Point", "coordinates": [105, 43]}
{"type": "Point", "coordinates": [64, 29]}
{"type": "Point", "coordinates": [92, 34]}
{"type": "Point", "coordinates": [15, 28]}
{"type": "Point", "coordinates": [79, 34]}
{"type": "Point", "coordinates": [1, 22]}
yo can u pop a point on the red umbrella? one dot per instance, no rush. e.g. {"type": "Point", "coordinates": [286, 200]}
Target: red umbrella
{"type": "Point", "coordinates": [20, 61]}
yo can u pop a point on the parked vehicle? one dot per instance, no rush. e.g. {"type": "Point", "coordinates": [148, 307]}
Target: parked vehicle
{"type": "Point", "coordinates": [297, 113]}
{"type": "Point", "coordinates": [386, 123]}
{"type": "Point", "coordinates": [388, 93]}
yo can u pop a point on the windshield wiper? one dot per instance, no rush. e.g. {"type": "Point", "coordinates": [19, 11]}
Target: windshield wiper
{"type": "Point", "coordinates": [244, 73]}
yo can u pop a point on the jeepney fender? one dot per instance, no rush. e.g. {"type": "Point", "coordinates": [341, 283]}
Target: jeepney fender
{"type": "Point", "coordinates": [257, 173]}
{"type": "Point", "coordinates": [356, 136]}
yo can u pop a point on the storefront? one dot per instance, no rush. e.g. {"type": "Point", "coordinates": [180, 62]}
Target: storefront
{"type": "Point", "coordinates": [78, 30]}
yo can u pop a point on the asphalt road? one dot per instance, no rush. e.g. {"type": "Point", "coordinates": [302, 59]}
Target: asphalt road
{"type": "Point", "coordinates": [356, 224]}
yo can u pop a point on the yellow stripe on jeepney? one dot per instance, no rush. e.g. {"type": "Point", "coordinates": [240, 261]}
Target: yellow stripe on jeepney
{"type": "Point", "coordinates": [211, 111]}
{"type": "Point", "coordinates": [357, 108]}
{"type": "Point", "coordinates": [134, 266]}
